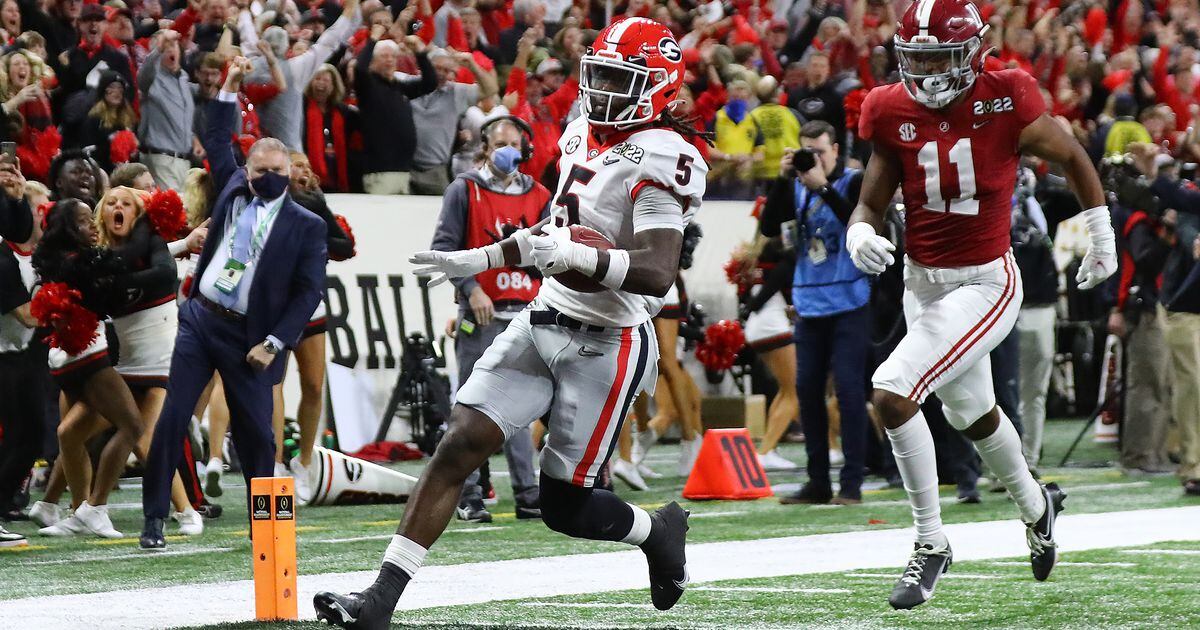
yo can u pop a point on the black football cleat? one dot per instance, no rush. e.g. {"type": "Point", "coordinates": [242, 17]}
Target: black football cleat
{"type": "Point", "coordinates": [920, 578]}
{"type": "Point", "coordinates": [809, 494]}
{"type": "Point", "coordinates": [360, 611]}
{"type": "Point", "coordinates": [526, 511]}
{"type": "Point", "coordinates": [473, 511]}
{"type": "Point", "coordinates": [152, 538]}
{"type": "Point", "coordinates": [666, 555]}
{"type": "Point", "coordinates": [1043, 551]}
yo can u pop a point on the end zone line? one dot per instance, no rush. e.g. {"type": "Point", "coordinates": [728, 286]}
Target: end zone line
{"type": "Point", "coordinates": [550, 576]}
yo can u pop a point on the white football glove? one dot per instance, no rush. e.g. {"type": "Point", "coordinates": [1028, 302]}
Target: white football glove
{"type": "Point", "coordinates": [870, 252]}
{"type": "Point", "coordinates": [441, 266]}
{"type": "Point", "coordinates": [554, 252]}
{"type": "Point", "coordinates": [1100, 261]}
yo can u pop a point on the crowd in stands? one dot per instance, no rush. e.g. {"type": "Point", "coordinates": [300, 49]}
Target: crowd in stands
{"type": "Point", "coordinates": [390, 98]}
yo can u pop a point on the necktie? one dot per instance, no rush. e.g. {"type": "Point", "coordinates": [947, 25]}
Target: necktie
{"type": "Point", "coordinates": [240, 250]}
{"type": "Point", "coordinates": [246, 222]}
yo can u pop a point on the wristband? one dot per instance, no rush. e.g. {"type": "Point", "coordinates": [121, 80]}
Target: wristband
{"type": "Point", "coordinates": [618, 268]}
{"type": "Point", "coordinates": [495, 255]}
{"type": "Point", "coordinates": [521, 236]}
{"type": "Point", "coordinates": [1098, 223]}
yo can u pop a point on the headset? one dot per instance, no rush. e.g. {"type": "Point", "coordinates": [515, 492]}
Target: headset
{"type": "Point", "coordinates": [522, 126]}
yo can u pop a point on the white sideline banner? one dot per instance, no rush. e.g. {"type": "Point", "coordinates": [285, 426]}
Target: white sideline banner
{"type": "Point", "coordinates": [373, 300]}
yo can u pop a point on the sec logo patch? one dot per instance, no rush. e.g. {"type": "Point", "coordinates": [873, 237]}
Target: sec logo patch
{"type": "Point", "coordinates": [572, 144]}
{"type": "Point", "coordinates": [908, 132]}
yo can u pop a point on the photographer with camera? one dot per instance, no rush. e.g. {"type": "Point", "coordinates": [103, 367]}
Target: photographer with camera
{"type": "Point", "coordinates": [1145, 237]}
{"type": "Point", "coordinates": [481, 207]}
{"type": "Point", "coordinates": [809, 206]}
{"type": "Point", "coordinates": [1180, 294]}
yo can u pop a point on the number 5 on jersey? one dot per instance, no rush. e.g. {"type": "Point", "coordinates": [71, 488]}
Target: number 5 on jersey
{"type": "Point", "coordinates": [569, 200]}
{"type": "Point", "coordinates": [935, 185]}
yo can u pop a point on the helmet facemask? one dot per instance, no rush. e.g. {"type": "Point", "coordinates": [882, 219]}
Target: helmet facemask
{"type": "Point", "coordinates": [936, 74]}
{"type": "Point", "coordinates": [617, 92]}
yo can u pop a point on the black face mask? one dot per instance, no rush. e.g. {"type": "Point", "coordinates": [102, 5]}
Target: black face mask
{"type": "Point", "coordinates": [269, 185]}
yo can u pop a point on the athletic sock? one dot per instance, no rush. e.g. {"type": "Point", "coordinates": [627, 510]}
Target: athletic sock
{"type": "Point", "coordinates": [400, 562]}
{"type": "Point", "coordinates": [912, 445]}
{"type": "Point", "coordinates": [642, 525]}
{"type": "Point", "coordinates": [1001, 451]}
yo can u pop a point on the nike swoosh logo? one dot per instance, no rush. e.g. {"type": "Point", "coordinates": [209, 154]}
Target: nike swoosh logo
{"type": "Point", "coordinates": [585, 352]}
{"type": "Point", "coordinates": [979, 124]}
{"type": "Point", "coordinates": [609, 161]}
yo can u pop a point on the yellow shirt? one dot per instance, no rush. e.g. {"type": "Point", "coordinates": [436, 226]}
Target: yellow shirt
{"type": "Point", "coordinates": [779, 129]}
{"type": "Point", "coordinates": [1122, 133]}
{"type": "Point", "coordinates": [735, 138]}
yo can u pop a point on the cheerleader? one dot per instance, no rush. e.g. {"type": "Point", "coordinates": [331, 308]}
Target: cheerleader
{"type": "Point", "coordinates": [310, 352]}
{"type": "Point", "coordinates": [68, 254]}
{"type": "Point", "coordinates": [764, 296]}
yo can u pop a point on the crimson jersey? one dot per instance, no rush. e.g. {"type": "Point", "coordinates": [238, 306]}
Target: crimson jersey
{"type": "Point", "coordinates": [958, 165]}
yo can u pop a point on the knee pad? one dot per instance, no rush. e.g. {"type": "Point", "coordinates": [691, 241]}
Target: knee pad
{"type": "Point", "coordinates": [964, 406]}
{"type": "Point", "coordinates": [560, 502]}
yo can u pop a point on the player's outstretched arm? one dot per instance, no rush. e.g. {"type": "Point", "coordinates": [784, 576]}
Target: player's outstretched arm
{"type": "Point", "coordinates": [869, 251]}
{"type": "Point", "coordinates": [1049, 139]}
{"type": "Point", "coordinates": [512, 251]}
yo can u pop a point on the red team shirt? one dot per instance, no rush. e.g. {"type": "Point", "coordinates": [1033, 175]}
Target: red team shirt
{"type": "Point", "coordinates": [958, 165]}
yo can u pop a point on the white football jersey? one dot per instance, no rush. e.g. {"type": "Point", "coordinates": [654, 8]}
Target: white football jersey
{"type": "Point", "coordinates": [597, 186]}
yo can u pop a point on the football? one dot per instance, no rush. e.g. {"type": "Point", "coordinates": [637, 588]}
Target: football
{"type": "Point", "coordinates": [574, 279]}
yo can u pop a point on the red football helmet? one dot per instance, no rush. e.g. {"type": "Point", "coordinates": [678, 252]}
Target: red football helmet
{"type": "Point", "coordinates": [630, 73]}
{"type": "Point", "coordinates": [939, 44]}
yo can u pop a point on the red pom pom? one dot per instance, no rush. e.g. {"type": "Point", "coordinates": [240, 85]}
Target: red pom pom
{"type": "Point", "coordinates": [121, 146]}
{"type": "Point", "coordinates": [36, 154]}
{"type": "Point", "coordinates": [166, 213]}
{"type": "Point", "coordinates": [58, 306]}
{"type": "Point", "coordinates": [345, 225]}
{"type": "Point", "coordinates": [722, 342]}
{"type": "Point", "coordinates": [853, 106]}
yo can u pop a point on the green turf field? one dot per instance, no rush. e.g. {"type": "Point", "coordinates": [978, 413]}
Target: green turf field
{"type": "Point", "coordinates": [1157, 588]}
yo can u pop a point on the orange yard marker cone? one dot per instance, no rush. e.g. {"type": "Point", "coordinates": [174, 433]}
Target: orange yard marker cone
{"type": "Point", "coordinates": [727, 468]}
{"type": "Point", "coordinates": [273, 525]}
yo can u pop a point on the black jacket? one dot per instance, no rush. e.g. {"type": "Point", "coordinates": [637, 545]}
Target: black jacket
{"type": "Point", "coordinates": [337, 241]}
{"type": "Point", "coordinates": [389, 132]}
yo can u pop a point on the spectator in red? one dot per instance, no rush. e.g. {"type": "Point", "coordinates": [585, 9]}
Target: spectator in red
{"type": "Point", "coordinates": [544, 111]}
{"type": "Point", "coordinates": [474, 36]}
{"type": "Point", "coordinates": [119, 28]}
{"type": "Point", "coordinates": [1178, 89]}
{"type": "Point", "coordinates": [10, 20]}
{"type": "Point", "coordinates": [25, 115]}
{"type": "Point", "coordinates": [332, 139]}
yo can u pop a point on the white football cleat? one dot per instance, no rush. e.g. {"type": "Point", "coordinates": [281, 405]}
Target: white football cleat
{"type": "Point", "coordinates": [69, 526]}
{"type": "Point", "coordinates": [190, 522]}
{"type": "Point", "coordinates": [212, 477]}
{"type": "Point", "coordinates": [773, 461]}
{"type": "Point", "coordinates": [647, 472]}
{"type": "Point", "coordinates": [643, 441]}
{"type": "Point", "coordinates": [95, 519]}
{"type": "Point", "coordinates": [281, 470]}
{"type": "Point", "coordinates": [627, 472]}
{"type": "Point", "coordinates": [302, 479]}
{"type": "Point", "coordinates": [45, 514]}
{"type": "Point", "coordinates": [689, 450]}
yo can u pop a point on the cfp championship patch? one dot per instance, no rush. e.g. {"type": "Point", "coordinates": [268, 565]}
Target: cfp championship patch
{"type": "Point", "coordinates": [262, 507]}
{"type": "Point", "coordinates": [992, 106]}
{"type": "Point", "coordinates": [283, 508]}
{"type": "Point", "coordinates": [627, 150]}
{"type": "Point", "coordinates": [572, 144]}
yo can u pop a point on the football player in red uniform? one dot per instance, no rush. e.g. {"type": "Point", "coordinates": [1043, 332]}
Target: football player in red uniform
{"type": "Point", "coordinates": [950, 135]}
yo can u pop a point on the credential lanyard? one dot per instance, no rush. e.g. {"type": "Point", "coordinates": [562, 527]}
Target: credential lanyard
{"type": "Point", "coordinates": [257, 240]}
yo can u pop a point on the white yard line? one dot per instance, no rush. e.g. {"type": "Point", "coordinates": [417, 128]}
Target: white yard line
{"type": "Point", "coordinates": [588, 605]}
{"type": "Point", "coordinates": [1068, 564]}
{"type": "Point", "coordinates": [131, 556]}
{"type": "Point", "coordinates": [959, 576]}
{"type": "Point", "coordinates": [716, 514]}
{"type": "Point", "coordinates": [464, 584]}
{"type": "Point", "coordinates": [767, 589]}
{"type": "Point", "coordinates": [1163, 552]}
{"type": "Point", "coordinates": [463, 530]}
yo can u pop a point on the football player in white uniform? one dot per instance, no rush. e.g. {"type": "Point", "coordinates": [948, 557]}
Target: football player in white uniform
{"type": "Point", "coordinates": [576, 357]}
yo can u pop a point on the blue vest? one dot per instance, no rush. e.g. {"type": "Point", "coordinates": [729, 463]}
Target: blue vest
{"type": "Point", "coordinates": [826, 281]}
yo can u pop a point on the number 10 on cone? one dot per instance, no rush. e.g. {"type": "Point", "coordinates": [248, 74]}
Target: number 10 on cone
{"type": "Point", "coordinates": [273, 528]}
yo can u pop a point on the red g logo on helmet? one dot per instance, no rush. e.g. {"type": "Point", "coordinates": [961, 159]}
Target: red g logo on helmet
{"type": "Point", "coordinates": [939, 44]}
{"type": "Point", "coordinates": [630, 74]}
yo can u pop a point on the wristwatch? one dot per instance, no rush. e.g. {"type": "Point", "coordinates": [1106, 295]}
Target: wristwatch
{"type": "Point", "coordinates": [270, 347]}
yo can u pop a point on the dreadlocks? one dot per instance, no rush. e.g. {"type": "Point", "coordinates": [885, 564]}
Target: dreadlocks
{"type": "Point", "coordinates": [685, 127]}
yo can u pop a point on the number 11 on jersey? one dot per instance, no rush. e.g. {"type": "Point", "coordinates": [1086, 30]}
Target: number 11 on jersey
{"type": "Point", "coordinates": [959, 156]}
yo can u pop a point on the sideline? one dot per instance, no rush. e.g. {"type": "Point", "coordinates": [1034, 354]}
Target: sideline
{"type": "Point", "coordinates": [462, 584]}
